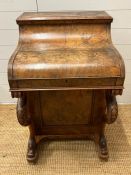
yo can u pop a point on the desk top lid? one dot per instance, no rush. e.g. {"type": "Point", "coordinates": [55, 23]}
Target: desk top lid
{"type": "Point", "coordinates": [65, 16]}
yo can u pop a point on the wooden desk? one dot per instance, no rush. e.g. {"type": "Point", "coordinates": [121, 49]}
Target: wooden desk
{"type": "Point", "coordinates": [66, 74]}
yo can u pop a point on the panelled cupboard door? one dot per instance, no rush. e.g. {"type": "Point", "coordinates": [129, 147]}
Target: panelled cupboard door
{"type": "Point", "coordinates": [17, 5]}
{"type": "Point", "coordinates": [83, 5]}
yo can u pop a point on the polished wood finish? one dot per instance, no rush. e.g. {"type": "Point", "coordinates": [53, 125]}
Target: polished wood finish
{"type": "Point", "coordinates": [66, 74]}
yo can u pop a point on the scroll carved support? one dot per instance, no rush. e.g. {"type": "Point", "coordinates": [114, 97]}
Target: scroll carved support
{"type": "Point", "coordinates": [22, 114]}
{"type": "Point", "coordinates": [112, 108]}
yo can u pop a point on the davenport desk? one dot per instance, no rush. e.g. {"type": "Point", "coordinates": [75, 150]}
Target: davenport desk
{"type": "Point", "coordinates": [66, 74]}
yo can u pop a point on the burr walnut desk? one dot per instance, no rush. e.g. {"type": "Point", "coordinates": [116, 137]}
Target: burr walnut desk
{"type": "Point", "coordinates": [66, 74]}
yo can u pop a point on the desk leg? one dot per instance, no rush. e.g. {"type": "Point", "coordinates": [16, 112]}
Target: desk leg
{"type": "Point", "coordinates": [32, 146]}
{"type": "Point", "coordinates": [103, 150]}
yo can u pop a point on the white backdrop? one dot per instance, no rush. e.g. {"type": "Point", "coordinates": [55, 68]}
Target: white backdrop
{"type": "Point", "coordinates": [121, 31]}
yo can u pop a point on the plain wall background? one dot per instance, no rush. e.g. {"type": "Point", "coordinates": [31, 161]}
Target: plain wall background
{"type": "Point", "coordinates": [121, 32]}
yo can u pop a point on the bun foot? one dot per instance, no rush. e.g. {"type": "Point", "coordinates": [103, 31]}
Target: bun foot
{"type": "Point", "coordinates": [32, 151]}
{"type": "Point", "coordinates": [103, 150]}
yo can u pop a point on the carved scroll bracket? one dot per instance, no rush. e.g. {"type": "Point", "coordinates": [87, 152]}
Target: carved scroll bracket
{"type": "Point", "coordinates": [22, 113]}
{"type": "Point", "coordinates": [112, 108]}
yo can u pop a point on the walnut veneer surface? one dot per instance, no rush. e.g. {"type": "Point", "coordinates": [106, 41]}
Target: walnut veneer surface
{"type": "Point", "coordinates": [66, 74]}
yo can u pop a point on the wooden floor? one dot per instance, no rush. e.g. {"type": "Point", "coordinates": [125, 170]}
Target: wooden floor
{"type": "Point", "coordinates": [64, 157]}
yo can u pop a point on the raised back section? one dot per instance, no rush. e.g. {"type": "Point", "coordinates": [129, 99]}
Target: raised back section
{"type": "Point", "coordinates": [65, 50]}
{"type": "Point", "coordinates": [41, 31]}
